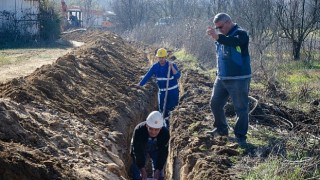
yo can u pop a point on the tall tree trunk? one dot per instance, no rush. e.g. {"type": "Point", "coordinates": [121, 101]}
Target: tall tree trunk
{"type": "Point", "coordinates": [296, 49]}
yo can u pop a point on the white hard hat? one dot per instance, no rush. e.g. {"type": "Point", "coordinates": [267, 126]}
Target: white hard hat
{"type": "Point", "coordinates": [155, 119]}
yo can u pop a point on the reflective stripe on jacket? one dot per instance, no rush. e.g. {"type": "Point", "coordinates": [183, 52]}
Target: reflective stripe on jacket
{"type": "Point", "coordinates": [161, 73]}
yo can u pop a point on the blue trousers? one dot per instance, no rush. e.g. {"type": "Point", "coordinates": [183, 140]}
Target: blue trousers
{"type": "Point", "coordinates": [135, 170]}
{"type": "Point", "coordinates": [238, 90]}
{"type": "Point", "coordinates": [172, 100]}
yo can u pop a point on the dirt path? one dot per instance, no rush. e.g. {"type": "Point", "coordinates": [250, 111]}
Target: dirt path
{"type": "Point", "coordinates": [21, 62]}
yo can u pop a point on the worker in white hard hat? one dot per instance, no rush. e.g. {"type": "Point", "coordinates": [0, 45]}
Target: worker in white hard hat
{"type": "Point", "coordinates": [167, 75]}
{"type": "Point", "coordinates": [150, 139]}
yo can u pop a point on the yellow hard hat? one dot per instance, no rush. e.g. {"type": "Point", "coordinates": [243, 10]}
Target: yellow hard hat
{"type": "Point", "coordinates": [161, 52]}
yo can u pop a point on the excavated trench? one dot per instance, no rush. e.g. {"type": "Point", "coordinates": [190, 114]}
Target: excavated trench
{"type": "Point", "coordinates": [74, 119]}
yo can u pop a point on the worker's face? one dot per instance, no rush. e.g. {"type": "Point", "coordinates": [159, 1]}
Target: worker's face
{"type": "Point", "coordinates": [162, 60]}
{"type": "Point", "coordinates": [223, 26]}
{"type": "Point", "coordinates": [153, 132]}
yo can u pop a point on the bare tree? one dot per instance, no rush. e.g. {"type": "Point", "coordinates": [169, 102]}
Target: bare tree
{"type": "Point", "coordinates": [257, 17]}
{"type": "Point", "coordinates": [217, 6]}
{"type": "Point", "coordinates": [131, 13]}
{"type": "Point", "coordinates": [297, 19]}
{"type": "Point", "coordinates": [87, 11]}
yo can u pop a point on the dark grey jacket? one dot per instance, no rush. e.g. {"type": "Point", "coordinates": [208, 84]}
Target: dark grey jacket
{"type": "Point", "coordinates": [139, 145]}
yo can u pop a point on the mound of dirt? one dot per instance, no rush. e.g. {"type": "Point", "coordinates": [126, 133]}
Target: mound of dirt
{"type": "Point", "coordinates": [83, 35]}
{"type": "Point", "coordinates": [74, 117]}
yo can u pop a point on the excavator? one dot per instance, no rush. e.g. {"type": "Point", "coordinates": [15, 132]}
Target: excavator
{"type": "Point", "coordinates": [72, 18]}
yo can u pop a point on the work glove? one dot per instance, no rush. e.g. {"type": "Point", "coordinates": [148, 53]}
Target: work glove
{"type": "Point", "coordinates": [143, 174]}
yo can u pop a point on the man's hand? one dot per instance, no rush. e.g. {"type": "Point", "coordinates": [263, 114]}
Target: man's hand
{"type": "Point", "coordinates": [171, 64]}
{"type": "Point", "coordinates": [143, 174]}
{"type": "Point", "coordinates": [212, 32]}
{"type": "Point", "coordinates": [174, 71]}
{"type": "Point", "coordinates": [156, 174]}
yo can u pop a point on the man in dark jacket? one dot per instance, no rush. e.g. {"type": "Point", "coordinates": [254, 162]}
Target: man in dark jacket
{"type": "Point", "coordinates": [150, 139]}
{"type": "Point", "coordinates": [233, 76]}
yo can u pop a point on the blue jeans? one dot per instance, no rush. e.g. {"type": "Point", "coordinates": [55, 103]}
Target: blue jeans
{"type": "Point", "coordinates": [238, 90]}
{"type": "Point", "coordinates": [136, 171]}
{"type": "Point", "coordinates": [152, 152]}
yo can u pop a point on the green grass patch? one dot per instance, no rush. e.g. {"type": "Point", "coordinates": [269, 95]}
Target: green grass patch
{"type": "Point", "coordinates": [299, 78]}
{"type": "Point", "coordinates": [301, 83]}
{"type": "Point", "coordinates": [316, 64]}
{"type": "Point", "coordinates": [21, 58]}
{"type": "Point", "coordinates": [262, 137]}
{"type": "Point", "coordinates": [287, 156]}
{"type": "Point", "coordinates": [4, 60]}
{"type": "Point", "coordinates": [193, 126]}
{"type": "Point", "coordinates": [234, 159]}
{"type": "Point", "coordinates": [211, 73]}
{"type": "Point", "coordinates": [187, 60]}
{"type": "Point", "coordinates": [302, 86]}
{"type": "Point", "coordinates": [12, 58]}
{"type": "Point", "coordinates": [258, 141]}
{"type": "Point", "coordinates": [274, 169]}
{"type": "Point", "coordinates": [257, 85]}
{"type": "Point", "coordinates": [195, 134]}
{"type": "Point", "coordinates": [299, 65]}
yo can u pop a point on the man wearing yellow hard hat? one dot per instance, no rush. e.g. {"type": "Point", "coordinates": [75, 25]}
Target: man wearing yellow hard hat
{"type": "Point", "coordinates": [167, 75]}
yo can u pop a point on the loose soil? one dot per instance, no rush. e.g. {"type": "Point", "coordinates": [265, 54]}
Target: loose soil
{"type": "Point", "coordinates": [73, 117]}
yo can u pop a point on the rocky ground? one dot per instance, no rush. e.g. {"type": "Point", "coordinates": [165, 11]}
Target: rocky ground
{"type": "Point", "coordinates": [73, 119]}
